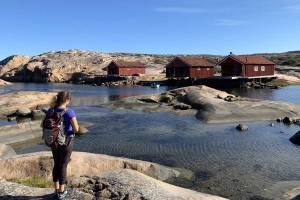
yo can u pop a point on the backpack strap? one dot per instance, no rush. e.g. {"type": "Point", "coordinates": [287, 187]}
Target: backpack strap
{"type": "Point", "coordinates": [63, 112]}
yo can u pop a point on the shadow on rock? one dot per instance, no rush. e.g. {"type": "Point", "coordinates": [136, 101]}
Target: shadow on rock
{"type": "Point", "coordinates": [43, 197]}
{"type": "Point", "coordinates": [296, 197]}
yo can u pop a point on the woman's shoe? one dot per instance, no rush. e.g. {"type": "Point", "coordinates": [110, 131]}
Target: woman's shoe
{"type": "Point", "coordinates": [62, 195]}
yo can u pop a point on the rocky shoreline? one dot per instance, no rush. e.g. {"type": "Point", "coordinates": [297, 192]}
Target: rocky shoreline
{"type": "Point", "coordinates": [24, 103]}
{"type": "Point", "coordinates": [94, 176]}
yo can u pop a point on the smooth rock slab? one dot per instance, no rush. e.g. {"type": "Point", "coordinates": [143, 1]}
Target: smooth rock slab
{"type": "Point", "coordinates": [139, 185]}
{"type": "Point", "coordinates": [12, 102]}
{"type": "Point", "coordinates": [82, 164]}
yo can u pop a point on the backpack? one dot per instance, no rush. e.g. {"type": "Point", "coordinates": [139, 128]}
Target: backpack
{"type": "Point", "coordinates": [53, 129]}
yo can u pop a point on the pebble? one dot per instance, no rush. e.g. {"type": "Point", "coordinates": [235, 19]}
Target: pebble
{"type": "Point", "coordinates": [242, 127]}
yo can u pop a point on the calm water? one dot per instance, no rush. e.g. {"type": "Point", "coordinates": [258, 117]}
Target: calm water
{"type": "Point", "coordinates": [224, 161]}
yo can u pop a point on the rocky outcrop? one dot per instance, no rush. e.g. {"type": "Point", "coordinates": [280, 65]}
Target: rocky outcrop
{"type": "Point", "coordinates": [10, 65]}
{"type": "Point", "coordinates": [129, 184]}
{"type": "Point", "coordinates": [12, 102]}
{"type": "Point", "coordinates": [95, 176]}
{"type": "Point", "coordinates": [72, 65]}
{"type": "Point", "coordinates": [4, 83]}
{"type": "Point", "coordinates": [211, 105]}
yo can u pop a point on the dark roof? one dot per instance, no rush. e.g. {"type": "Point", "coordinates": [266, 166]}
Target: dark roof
{"type": "Point", "coordinates": [260, 60]}
{"type": "Point", "coordinates": [122, 63]}
{"type": "Point", "coordinates": [194, 61]}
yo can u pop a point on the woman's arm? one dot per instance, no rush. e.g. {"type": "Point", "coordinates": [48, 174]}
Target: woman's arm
{"type": "Point", "coordinates": [75, 125]}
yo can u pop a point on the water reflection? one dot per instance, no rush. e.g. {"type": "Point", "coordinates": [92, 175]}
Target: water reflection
{"type": "Point", "coordinates": [288, 94]}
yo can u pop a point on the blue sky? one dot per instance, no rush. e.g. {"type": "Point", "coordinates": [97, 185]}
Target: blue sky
{"type": "Point", "coordinates": [32, 27]}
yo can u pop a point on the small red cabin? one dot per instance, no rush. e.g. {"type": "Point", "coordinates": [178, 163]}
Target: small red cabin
{"type": "Point", "coordinates": [247, 66]}
{"type": "Point", "coordinates": [192, 67]}
{"type": "Point", "coordinates": [125, 68]}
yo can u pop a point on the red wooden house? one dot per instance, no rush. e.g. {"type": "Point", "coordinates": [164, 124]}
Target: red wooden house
{"type": "Point", "coordinates": [125, 68]}
{"type": "Point", "coordinates": [191, 67]}
{"type": "Point", "coordinates": [247, 66]}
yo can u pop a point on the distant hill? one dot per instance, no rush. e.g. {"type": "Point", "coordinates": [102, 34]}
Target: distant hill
{"type": "Point", "coordinates": [61, 66]}
{"type": "Point", "coordinates": [290, 58]}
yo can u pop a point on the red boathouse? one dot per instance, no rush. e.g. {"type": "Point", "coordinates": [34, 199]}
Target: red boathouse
{"type": "Point", "coordinates": [125, 68]}
{"type": "Point", "coordinates": [247, 66]}
{"type": "Point", "coordinates": [189, 67]}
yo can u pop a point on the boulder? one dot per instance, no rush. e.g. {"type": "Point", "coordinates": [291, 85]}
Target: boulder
{"type": "Point", "coordinates": [182, 106]}
{"type": "Point", "coordinates": [287, 120]}
{"type": "Point", "coordinates": [23, 112]}
{"type": "Point", "coordinates": [230, 98]}
{"type": "Point", "coordinates": [242, 127]}
{"type": "Point", "coordinates": [11, 118]}
{"type": "Point", "coordinates": [166, 98]}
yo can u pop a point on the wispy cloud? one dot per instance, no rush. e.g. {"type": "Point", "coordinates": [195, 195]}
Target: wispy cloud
{"type": "Point", "coordinates": [184, 10]}
{"type": "Point", "coordinates": [229, 22]}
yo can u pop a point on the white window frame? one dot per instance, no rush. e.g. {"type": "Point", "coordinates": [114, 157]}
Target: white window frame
{"type": "Point", "coordinates": [263, 68]}
{"type": "Point", "coordinates": [256, 68]}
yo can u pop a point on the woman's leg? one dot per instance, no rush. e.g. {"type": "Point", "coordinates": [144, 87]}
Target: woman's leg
{"type": "Point", "coordinates": [65, 158]}
{"type": "Point", "coordinates": [55, 171]}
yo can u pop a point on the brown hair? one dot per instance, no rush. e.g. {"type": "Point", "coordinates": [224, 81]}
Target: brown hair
{"type": "Point", "coordinates": [61, 98]}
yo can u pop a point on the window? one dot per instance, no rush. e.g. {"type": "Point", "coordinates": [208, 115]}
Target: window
{"type": "Point", "coordinates": [256, 68]}
{"type": "Point", "coordinates": [263, 68]}
{"type": "Point", "coordinates": [198, 68]}
{"type": "Point", "coordinates": [208, 69]}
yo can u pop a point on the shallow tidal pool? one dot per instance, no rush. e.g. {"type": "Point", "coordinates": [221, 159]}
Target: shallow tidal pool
{"type": "Point", "coordinates": [223, 161]}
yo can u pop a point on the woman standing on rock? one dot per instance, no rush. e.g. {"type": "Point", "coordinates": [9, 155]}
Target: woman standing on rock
{"type": "Point", "coordinates": [62, 145]}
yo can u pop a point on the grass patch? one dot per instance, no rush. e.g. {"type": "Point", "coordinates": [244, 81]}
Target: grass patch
{"type": "Point", "coordinates": [35, 181]}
